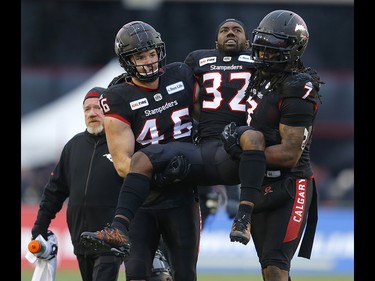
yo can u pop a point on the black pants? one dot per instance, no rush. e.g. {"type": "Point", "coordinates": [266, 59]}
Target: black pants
{"type": "Point", "coordinates": [179, 228]}
{"type": "Point", "coordinates": [99, 268]}
{"type": "Point", "coordinates": [279, 219]}
{"type": "Point", "coordinates": [210, 163]}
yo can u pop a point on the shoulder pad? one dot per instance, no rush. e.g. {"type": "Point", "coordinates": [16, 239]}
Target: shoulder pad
{"type": "Point", "coordinates": [193, 57]}
{"type": "Point", "coordinates": [298, 85]}
{"type": "Point", "coordinates": [176, 64]}
{"type": "Point", "coordinates": [119, 79]}
{"type": "Point", "coordinates": [314, 76]}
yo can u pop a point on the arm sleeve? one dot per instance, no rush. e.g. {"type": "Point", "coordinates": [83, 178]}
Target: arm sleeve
{"type": "Point", "coordinates": [54, 194]}
{"type": "Point", "coordinates": [297, 112]}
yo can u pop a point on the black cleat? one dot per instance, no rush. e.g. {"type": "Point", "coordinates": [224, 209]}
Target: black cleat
{"type": "Point", "coordinates": [240, 230]}
{"type": "Point", "coordinates": [109, 238]}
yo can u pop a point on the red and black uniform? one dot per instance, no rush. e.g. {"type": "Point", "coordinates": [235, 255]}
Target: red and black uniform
{"type": "Point", "coordinates": [288, 195]}
{"type": "Point", "coordinates": [84, 169]}
{"type": "Point", "coordinates": [223, 81]}
{"type": "Point", "coordinates": [160, 116]}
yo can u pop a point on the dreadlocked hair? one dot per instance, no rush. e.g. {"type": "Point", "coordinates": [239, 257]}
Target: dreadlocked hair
{"type": "Point", "coordinates": [258, 78]}
{"type": "Point", "coordinates": [316, 80]}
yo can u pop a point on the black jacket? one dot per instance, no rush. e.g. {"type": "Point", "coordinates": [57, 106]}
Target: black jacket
{"type": "Point", "coordinates": [86, 176]}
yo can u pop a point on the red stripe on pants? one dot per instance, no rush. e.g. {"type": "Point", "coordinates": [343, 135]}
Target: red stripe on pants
{"type": "Point", "coordinates": [298, 212]}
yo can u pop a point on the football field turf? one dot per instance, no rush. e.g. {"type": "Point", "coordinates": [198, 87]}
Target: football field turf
{"type": "Point", "coordinates": [74, 275]}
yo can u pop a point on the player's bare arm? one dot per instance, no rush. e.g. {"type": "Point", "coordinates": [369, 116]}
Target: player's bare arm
{"type": "Point", "coordinates": [120, 140]}
{"type": "Point", "coordinates": [287, 153]}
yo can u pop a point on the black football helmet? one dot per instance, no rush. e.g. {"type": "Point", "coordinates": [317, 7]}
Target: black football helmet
{"type": "Point", "coordinates": [136, 37]}
{"type": "Point", "coordinates": [280, 40]}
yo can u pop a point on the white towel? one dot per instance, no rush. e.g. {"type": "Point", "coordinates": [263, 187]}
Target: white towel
{"type": "Point", "coordinates": [45, 264]}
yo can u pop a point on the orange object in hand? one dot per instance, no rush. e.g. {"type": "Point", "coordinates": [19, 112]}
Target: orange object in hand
{"type": "Point", "coordinates": [34, 246]}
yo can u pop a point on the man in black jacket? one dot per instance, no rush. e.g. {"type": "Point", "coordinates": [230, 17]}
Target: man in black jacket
{"type": "Point", "coordinates": [84, 173]}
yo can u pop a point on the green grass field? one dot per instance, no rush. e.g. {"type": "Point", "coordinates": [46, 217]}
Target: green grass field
{"type": "Point", "coordinates": [61, 275]}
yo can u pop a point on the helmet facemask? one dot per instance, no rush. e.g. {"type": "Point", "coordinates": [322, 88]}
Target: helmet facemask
{"type": "Point", "coordinates": [150, 72]}
{"type": "Point", "coordinates": [272, 51]}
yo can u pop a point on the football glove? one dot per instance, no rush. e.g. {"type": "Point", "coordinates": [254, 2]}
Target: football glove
{"type": "Point", "coordinates": [230, 139]}
{"type": "Point", "coordinates": [177, 170]}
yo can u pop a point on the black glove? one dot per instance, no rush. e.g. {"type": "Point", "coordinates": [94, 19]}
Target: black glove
{"type": "Point", "coordinates": [37, 229]}
{"type": "Point", "coordinates": [177, 170]}
{"type": "Point", "coordinates": [229, 137]}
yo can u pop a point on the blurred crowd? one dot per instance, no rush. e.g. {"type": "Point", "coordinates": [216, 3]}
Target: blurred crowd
{"type": "Point", "coordinates": [335, 190]}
